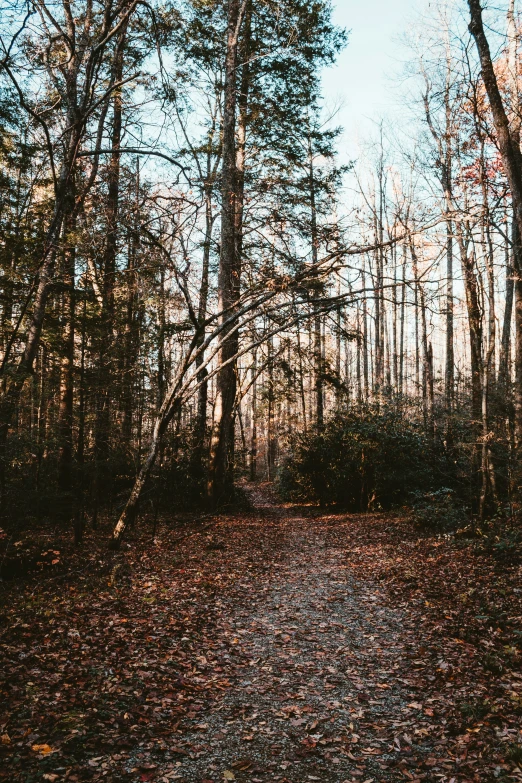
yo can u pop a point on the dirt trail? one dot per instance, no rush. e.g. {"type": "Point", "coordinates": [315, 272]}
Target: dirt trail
{"type": "Point", "coordinates": [314, 693]}
{"type": "Point", "coordinates": [277, 646]}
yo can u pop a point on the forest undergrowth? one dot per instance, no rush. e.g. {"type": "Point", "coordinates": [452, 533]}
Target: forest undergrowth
{"type": "Point", "coordinates": [280, 643]}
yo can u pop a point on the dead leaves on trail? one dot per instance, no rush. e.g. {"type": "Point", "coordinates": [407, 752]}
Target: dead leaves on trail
{"type": "Point", "coordinates": [303, 647]}
{"type": "Point", "coordinates": [463, 616]}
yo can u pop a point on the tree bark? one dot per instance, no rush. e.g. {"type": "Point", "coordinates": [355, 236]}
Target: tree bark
{"type": "Point", "coordinates": [253, 420]}
{"type": "Point", "coordinates": [105, 369]}
{"type": "Point", "coordinates": [221, 480]}
{"type": "Point", "coordinates": [509, 144]}
{"type": "Point", "coordinates": [505, 343]}
{"type": "Point", "coordinates": [200, 429]}
{"type": "Point", "coordinates": [65, 456]}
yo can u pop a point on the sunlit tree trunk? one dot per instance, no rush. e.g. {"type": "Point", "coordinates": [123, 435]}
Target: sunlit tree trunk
{"type": "Point", "coordinates": [220, 481]}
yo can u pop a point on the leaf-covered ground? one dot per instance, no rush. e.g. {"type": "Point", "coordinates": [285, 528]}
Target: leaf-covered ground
{"type": "Point", "coordinates": [278, 644]}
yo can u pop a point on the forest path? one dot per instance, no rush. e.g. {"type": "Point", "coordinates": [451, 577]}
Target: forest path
{"type": "Point", "coordinates": [281, 644]}
{"type": "Point", "coordinates": [314, 662]}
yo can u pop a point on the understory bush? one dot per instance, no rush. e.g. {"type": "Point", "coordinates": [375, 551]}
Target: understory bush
{"type": "Point", "coordinates": [33, 494]}
{"type": "Point", "coordinates": [367, 459]}
{"type": "Point", "coordinates": [502, 542]}
{"type": "Point", "coordinates": [439, 510]}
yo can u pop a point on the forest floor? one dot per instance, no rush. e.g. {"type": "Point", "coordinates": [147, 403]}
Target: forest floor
{"type": "Point", "coordinates": [277, 644]}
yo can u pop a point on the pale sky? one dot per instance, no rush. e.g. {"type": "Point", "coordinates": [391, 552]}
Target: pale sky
{"type": "Point", "coordinates": [363, 77]}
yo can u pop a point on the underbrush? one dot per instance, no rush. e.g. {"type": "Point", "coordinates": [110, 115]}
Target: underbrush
{"type": "Point", "coordinates": [439, 511]}
{"type": "Point", "coordinates": [502, 540]}
{"type": "Point", "coordinates": [371, 459]}
{"type": "Point", "coordinates": [34, 504]}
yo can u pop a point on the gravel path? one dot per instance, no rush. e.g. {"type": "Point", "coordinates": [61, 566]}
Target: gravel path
{"type": "Point", "coordinates": [314, 664]}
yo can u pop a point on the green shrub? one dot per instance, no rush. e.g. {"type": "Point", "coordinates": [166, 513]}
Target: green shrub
{"type": "Point", "coordinates": [368, 459]}
{"type": "Point", "coordinates": [439, 510]}
{"type": "Point", "coordinates": [503, 543]}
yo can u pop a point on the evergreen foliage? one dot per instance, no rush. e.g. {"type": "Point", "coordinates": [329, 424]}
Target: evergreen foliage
{"type": "Point", "coordinates": [368, 459]}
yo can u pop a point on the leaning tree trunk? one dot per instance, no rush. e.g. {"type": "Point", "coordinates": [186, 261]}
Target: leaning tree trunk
{"type": "Point", "coordinates": [170, 405]}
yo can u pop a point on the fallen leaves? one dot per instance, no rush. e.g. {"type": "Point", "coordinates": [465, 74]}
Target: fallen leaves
{"type": "Point", "coordinates": [299, 648]}
{"type": "Point", "coordinates": [43, 749]}
{"type": "Point", "coordinates": [242, 764]}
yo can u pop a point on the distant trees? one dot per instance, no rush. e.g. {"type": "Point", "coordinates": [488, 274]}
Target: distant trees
{"type": "Point", "coordinates": [186, 283]}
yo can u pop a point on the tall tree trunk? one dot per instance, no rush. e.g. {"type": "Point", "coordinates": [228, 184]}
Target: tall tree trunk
{"type": "Point", "coordinates": [508, 138]}
{"type": "Point", "coordinates": [162, 329]}
{"type": "Point", "coordinates": [505, 344]}
{"type": "Point", "coordinates": [468, 263]}
{"type": "Point", "coordinates": [378, 358]}
{"type": "Point", "coordinates": [358, 363]}
{"type": "Point", "coordinates": [80, 447]}
{"type": "Point", "coordinates": [449, 374]}
{"type": "Point", "coordinates": [41, 415]}
{"type": "Point", "coordinates": [318, 372]}
{"type": "Point", "coordinates": [427, 351]}
{"type": "Point", "coordinates": [271, 440]}
{"type": "Point", "coordinates": [129, 334]}
{"type": "Point", "coordinates": [65, 456]}
{"type": "Point", "coordinates": [302, 391]}
{"type": "Point", "coordinates": [200, 428]}
{"type": "Point", "coordinates": [317, 335]}
{"type": "Point", "coordinates": [402, 319]}
{"type": "Point", "coordinates": [395, 356]}
{"type": "Point", "coordinates": [338, 321]}
{"type": "Point", "coordinates": [366, 369]}
{"type": "Point", "coordinates": [105, 369]}
{"type": "Point", "coordinates": [416, 314]}
{"type": "Point", "coordinates": [253, 420]}
{"type": "Point", "coordinates": [445, 163]}
{"type": "Point", "coordinates": [518, 345]}
{"type": "Point", "coordinates": [221, 479]}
